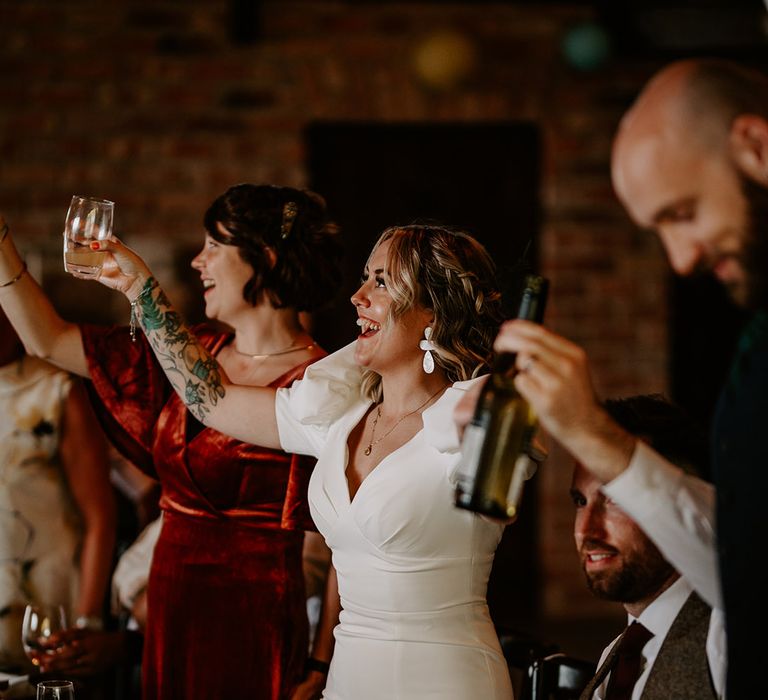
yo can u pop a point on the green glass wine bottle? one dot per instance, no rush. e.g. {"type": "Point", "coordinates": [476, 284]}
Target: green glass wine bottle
{"type": "Point", "coordinates": [495, 461]}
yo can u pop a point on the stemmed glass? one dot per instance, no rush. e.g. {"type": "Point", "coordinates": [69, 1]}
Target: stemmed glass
{"type": "Point", "coordinates": [88, 219]}
{"type": "Point", "coordinates": [55, 690]}
{"type": "Point", "coordinates": [41, 630]}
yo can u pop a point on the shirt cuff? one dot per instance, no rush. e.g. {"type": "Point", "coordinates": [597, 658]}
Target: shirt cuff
{"type": "Point", "coordinates": [647, 475]}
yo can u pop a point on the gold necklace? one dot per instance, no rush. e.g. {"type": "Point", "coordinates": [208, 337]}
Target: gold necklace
{"type": "Point", "coordinates": [264, 356]}
{"type": "Point", "coordinates": [372, 443]}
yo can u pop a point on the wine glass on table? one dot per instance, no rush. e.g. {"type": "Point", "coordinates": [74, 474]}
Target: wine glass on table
{"type": "Point", "coordinates": [41, 630]}
{"type": "Point", "coordinates": [55, 690]}
{"type": "Point", "coordinates": [88, 220]}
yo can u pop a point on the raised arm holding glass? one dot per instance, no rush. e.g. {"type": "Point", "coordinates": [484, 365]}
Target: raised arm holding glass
{"type": "Point", "coordinates": [226, 605]}
{"type": "Point", "coordinates": [412, 569]}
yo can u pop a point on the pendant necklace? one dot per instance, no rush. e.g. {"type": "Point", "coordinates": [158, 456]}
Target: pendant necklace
{"type": "Point", "coordinates": [372, 443]}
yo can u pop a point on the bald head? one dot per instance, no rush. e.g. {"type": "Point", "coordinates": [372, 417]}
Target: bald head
{"type": "Point", "coordinates": [687, 160]}
{"type": "Point", "coordinates": [694, 100]}
{"type": "Point", "coordinates": [661, 103]}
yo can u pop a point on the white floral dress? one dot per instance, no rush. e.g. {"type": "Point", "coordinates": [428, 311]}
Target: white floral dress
{"type": "Point", "coordinates": [40, 531]}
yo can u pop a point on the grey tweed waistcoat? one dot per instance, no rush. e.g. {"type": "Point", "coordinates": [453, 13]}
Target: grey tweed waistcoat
{"type": "Point", "coordinates": [681, 669]}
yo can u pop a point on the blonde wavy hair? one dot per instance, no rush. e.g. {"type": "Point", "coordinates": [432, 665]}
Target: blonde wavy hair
{"type": "Point", "coordinates": [451, 273]}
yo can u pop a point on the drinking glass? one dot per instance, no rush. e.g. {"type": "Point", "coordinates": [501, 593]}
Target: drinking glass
{"type": "Point", "coordinates": [88, 219]}
{"type": "Point", "coordinates": [55, 690]}
{"type": "Point", "coordinates": [41, 629]}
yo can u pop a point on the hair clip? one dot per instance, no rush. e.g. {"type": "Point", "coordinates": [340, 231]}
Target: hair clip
{"type": "Point", "coordinates": [290, 210]}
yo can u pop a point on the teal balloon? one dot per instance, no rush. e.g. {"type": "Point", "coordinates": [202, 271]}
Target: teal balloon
{"type": "Point", "coordinates": [586, 46]}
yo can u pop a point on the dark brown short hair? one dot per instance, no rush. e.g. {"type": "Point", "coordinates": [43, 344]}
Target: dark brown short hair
{"type": "Point", "coordinates": [666, 427]}
{"type": "Point", "coordinates": [307, 252]}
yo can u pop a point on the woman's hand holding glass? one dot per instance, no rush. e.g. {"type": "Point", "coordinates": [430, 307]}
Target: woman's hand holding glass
{"type": "Point", "coordinates": [122, 270]}
{"type": "Point", "coordinates": [41, 631]}
{"type": "Point", "coordinates": [82, 653]}
{"type": "Point", "coordinates": [88, 219]}
{"type": "Point", "coordinates": [53, 646]}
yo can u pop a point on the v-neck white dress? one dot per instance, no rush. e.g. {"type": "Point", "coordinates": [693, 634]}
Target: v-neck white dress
{"type": "Point", "coordinates": [412, 568]}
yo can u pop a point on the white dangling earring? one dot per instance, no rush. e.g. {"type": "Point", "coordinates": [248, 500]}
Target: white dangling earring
{"type": "Point", "coordinates": [429, 362]}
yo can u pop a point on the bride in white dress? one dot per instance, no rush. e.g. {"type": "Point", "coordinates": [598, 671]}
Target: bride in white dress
{"type": "Point", "coordinates": [412, 569]}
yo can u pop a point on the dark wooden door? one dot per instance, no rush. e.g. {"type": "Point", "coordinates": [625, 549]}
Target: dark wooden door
{"type": "Point", "coordinates": [482, 177]}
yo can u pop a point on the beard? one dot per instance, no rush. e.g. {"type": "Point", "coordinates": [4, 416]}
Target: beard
{"type": "Point", "coordinates": [754, 257]}
{"type": "Point", "coordinates": [640, 575]}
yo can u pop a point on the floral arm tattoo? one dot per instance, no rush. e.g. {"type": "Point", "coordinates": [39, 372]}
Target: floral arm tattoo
{"type": "Point", "coordinates": [192, 371]}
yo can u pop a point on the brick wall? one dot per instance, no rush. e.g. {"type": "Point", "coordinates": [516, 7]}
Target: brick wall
{"type": "Point", "coordinates": [151, 104]}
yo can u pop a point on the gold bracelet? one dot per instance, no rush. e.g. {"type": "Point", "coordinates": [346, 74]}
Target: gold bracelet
{"type": "Point", "coordinates": [17, 278]}
{"type": "Point", "coordinates": [4, 231]}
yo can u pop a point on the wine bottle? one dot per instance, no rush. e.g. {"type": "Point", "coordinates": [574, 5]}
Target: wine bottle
{"type": "Point", "coordinates": [495, 460]}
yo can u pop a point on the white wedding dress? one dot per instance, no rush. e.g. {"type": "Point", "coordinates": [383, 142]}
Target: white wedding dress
{"type": "Point", "coordinates": [412, 569]}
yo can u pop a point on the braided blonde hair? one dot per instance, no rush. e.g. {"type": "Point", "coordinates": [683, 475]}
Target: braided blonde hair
{"type": "Point", "coordinates": [449, 272]}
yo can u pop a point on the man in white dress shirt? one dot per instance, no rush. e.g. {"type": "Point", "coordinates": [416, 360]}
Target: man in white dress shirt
{"type": "Point", "coordinates": [690, 162]}
{"type": "Point", "coordinates": [683, 656]}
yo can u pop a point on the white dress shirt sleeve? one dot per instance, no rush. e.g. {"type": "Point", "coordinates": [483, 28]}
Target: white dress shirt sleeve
{"type": "Point", "coordinates": [677, 512]}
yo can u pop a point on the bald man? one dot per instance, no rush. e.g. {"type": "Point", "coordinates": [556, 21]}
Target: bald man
{"type": "Point", "coordinates": [690, 162]}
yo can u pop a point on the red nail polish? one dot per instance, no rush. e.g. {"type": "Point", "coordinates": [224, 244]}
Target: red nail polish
{"type": "Point", "coordinates": [95, 245]}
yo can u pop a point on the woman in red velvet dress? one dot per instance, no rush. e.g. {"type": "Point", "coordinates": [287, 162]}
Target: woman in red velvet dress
{"type": "Point", "coordinates": [226, 604]}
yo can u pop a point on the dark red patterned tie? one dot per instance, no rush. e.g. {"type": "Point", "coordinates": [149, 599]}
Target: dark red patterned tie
{"type": "Point", "coordinates": [626, 670]}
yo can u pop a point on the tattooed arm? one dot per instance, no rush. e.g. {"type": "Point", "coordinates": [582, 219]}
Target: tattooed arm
{"type": "Point", "coordinates": [244, 412]}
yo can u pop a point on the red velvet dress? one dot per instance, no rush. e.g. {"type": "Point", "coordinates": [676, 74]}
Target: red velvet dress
{"type": "Point", "coordinates": [226, 603]}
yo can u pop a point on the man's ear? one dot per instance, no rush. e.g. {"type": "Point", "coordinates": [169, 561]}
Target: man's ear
{"type": "Point", "coordinates": [749, 146]}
